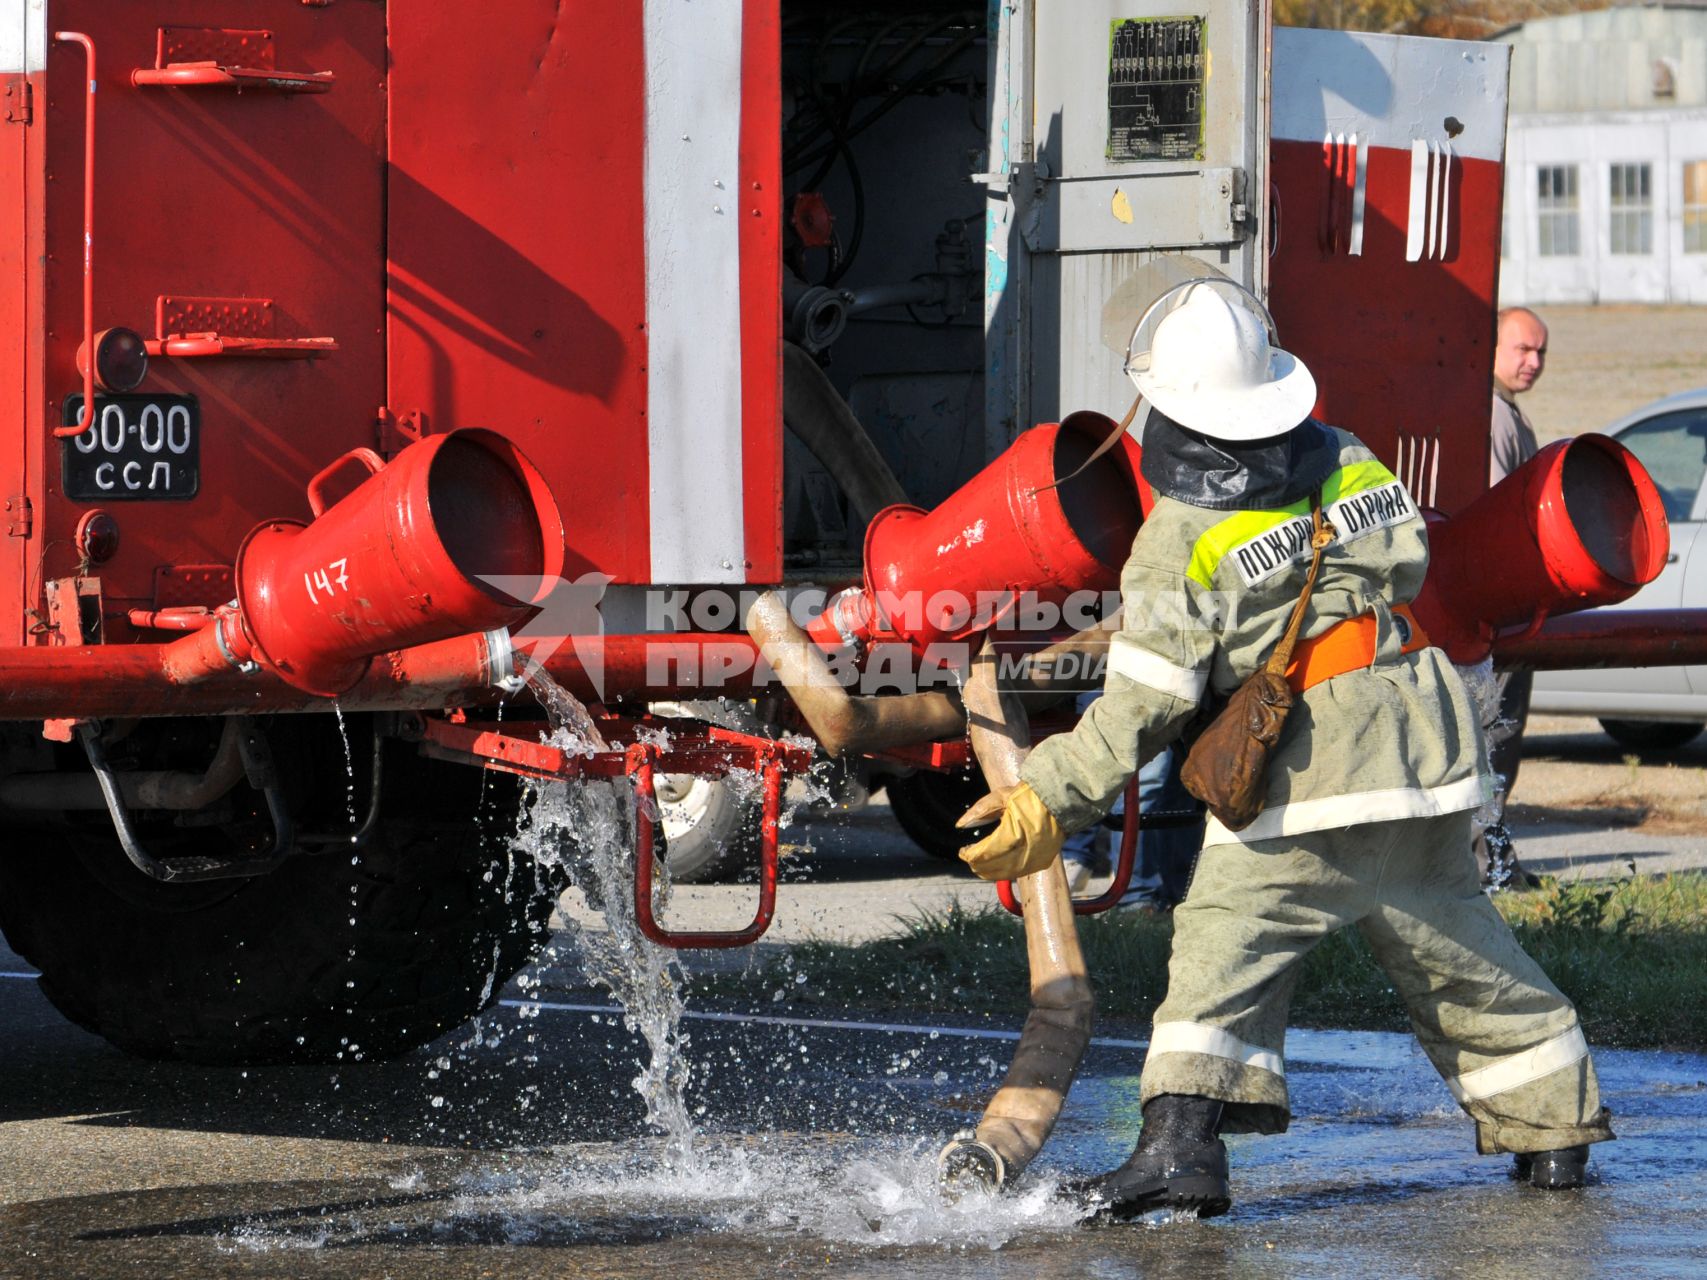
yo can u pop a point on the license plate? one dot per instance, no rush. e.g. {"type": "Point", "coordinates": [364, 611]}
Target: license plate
{"type": "Point", "coordinates": [141, 448]}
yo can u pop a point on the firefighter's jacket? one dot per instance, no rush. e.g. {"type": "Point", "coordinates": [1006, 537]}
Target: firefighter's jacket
{"type": "Point", "coordinates": [1207, 592]}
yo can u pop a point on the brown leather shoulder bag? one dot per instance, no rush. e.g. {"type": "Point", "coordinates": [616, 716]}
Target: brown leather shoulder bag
{"type": "Point", "coordinates": [1228, 765]}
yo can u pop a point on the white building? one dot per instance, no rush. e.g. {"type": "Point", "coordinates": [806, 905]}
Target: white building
{"type": "Point", "coordinates": [1606, 157]}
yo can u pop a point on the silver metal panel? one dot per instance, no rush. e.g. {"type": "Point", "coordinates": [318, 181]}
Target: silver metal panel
{"type": "Point", "coordinates": [1007, 265]}
{"type": "Point", "coordinates": [1074, 368]}
{"type": "Point", "coordinates": [1073, 70]}
{"type": "Point", "coordinates": [1139, 211]}
{"type": "Point", "coordinates": [1060, 244]}
{"type": "Point", "coordinates": [1079, 74]}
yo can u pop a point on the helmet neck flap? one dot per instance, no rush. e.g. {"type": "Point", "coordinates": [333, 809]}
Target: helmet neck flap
{"type": "Point", "coordinates": [1226, 475]}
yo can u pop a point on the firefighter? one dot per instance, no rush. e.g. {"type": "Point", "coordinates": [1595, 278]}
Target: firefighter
{"type": "Point", "coordinates": [1369, 795]}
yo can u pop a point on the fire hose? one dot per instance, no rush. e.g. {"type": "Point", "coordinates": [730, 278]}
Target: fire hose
{"type": "Point", "coordinates": [1020, 1116]}
{"type": "Point", "coordinates": [1017, 1121]}
{"type": "Point", "coordinates": [842, 723]}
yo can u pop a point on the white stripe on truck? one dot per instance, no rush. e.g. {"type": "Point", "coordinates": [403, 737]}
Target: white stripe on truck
{"type": "Point", "coordinates": [23, 36]}
{"type": "Point", "coordinates": [693, 290]}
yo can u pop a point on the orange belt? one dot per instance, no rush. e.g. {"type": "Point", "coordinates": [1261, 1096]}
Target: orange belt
{"type": "Point", "coordinates": [1347, 646]}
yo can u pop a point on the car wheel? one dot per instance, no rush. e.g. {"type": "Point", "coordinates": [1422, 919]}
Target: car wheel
{"type": "Point", "coordinates": [1653, 735]}
{"type": "Point", "coordinates": [367, 954]}
{"type": "Point", "coordinates": [711, 831]}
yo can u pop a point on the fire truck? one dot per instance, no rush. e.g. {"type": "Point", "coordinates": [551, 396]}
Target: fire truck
{"type": "Point", "coordinates": [365, 352]}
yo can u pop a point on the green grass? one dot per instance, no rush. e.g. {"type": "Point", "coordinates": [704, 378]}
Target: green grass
{"type": "Point", "coordinates": [1632, 955]}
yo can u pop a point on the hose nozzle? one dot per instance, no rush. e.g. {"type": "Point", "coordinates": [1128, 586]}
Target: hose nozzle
{"type": "Point", "coordinates": [967, 1165]}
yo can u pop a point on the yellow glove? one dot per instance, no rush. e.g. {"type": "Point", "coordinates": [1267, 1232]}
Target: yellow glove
{"type": "Point", "coordinates": [1027, 839]}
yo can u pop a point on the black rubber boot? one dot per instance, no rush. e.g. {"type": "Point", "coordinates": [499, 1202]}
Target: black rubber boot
{"type": "Point", "coordinates": [1561, 1170]}
{"type": "Point", "coordinates": [1178, 1163]}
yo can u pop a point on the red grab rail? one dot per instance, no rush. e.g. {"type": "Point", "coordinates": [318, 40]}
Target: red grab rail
{"type": "Point", "coordinates": [77, 37]}
{"type": "Point", "coordinates": [640, 768]}
{"type": "Point", "coordinates": [197, 346]}
{"type": "Point", "coordinates": [706, 749]}
{"type": "Point", "coordinates": [1123, 866]}
{"type": "Point", "coordinates": [211, 75]}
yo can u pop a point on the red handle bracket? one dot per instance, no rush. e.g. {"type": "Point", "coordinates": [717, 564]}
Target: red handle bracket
{"type": "Point", "coordinates": [367, 457]}
{"type": "Point", "coordinates": [640, 768]}
{"type": "Point", "coordinates": [191, 346]}
{"type": "Point", "coordinates": [88, 420]}
{"type": "Point", "coordinates": [1123, 867]}
{"type": "Point", "coordinates": [211, 75]}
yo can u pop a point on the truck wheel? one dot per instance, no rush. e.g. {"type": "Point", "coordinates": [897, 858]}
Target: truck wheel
{"type": "Point", "coordinates": [927, 805]}
{"type": "Point", "coordinates": [711, 832]}
{"type": "Point", "coordinates": [332, 956]}
{"type": "Point", "coordinates": [1653, 735]}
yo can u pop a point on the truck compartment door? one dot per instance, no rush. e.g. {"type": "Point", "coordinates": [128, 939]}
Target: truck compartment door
{"type": "Point", "coordinates": [584, 253]}
{"type": "Point", "coordinates": [1121, 129]}
{"type": "Point", "coordinates": [1384, 234]}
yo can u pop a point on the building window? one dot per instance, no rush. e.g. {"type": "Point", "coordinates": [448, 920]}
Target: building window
{"type": "Point", "coordinates": [1556, 223]}
{"type": "Point", "coordinates": [1632, 222]}
{"type": "Point", "coordinates": [1695, 206]}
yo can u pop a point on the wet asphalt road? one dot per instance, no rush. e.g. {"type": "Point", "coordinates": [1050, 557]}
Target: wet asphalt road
{"type": "Point", "coordinates": [516, 1149]}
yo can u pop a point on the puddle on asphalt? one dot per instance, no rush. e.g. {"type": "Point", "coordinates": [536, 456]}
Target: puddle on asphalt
{"type": "Point", "coordinates": [1378, 1177]}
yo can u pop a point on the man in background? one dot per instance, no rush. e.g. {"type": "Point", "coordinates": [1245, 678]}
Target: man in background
{"type": "Point", "coordinates": [1520, 355]}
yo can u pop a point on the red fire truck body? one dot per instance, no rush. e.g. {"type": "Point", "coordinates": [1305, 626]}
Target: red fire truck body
{"type": "Point", "coordinates": [448, 225]}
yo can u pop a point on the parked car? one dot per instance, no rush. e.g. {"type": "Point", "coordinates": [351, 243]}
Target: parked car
{"type": "Point", "coordinates": [1654, 708]}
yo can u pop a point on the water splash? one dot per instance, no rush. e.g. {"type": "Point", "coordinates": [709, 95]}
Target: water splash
{"type": "Point", "coordinates": [346, 1047]}
{"type": "Point", "coordinates": [1502, 856]}
{"type": "Point", "coordinates": [349, 765]}
{"type": "Point", "coordinates": [865, 1193]}
{"type": "Point", "coordinates": [586, 828]}
{"type": "Point", "coordinates": [567, 713]}
{"type": "Point", "coordinates": [876, 1193]}
{"type": "Point", "coordinates": [893, 1198]}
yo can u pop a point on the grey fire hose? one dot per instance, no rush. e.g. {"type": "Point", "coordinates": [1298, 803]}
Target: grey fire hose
{"type": "Point", "coordinates": [822, 421]}
{"type": "Point", "coordinates": [1018, 1119]}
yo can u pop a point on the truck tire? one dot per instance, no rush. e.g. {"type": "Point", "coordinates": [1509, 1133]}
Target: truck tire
{"type": "Point", "coordinates": [331, 957]}
{"type": "Point", "coordinates": [927, 805]}
{"type": "Point", "coordinates": [1653, 735]}
{"type": "Point", "coordinates": [711, 832]}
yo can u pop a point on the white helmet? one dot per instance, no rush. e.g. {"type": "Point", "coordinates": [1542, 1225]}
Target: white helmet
{"type": "Point", "coordinates": [1212, 368]}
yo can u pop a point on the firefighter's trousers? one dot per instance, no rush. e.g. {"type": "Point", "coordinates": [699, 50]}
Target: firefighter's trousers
{"type": "Point", "coordinates": [1504, 1039]}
